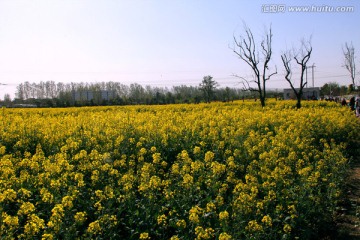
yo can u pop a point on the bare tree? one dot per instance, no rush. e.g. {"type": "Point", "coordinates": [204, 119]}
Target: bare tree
{"type": "Point", "coordinates": [301, 57]}
{"type": "Point", "coordinates": [7, 99]}
{"type": "Point", "coordinates": [20, 91]}
{"type": "Point", "coordinates": [349, 61]}
{"type": "Point", "coordinates": [247, 50]}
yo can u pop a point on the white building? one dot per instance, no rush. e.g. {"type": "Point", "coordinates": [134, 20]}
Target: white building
{"type": "Point", "coordinates": [308, 93]}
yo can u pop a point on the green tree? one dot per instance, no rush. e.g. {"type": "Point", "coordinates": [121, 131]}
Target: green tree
{"type": "Point", "coordinates": [208, 86]}
{"type": "Point", "coordinates": [330, 89]}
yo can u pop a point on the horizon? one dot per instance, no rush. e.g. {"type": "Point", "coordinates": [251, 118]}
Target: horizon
{"type": "Point", "coordinates": [165, 44]}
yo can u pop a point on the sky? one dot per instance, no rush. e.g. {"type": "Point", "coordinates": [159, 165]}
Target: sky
{"type": "Point", "coordinates": [165, 43]}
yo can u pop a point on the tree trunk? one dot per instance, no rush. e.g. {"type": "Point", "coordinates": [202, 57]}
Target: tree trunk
{"type": "Point", "coordinates": [262, 100]}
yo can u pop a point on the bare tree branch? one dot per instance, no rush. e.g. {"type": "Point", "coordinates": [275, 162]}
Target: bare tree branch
{"type": "Point", "coordinates": [271, 74]}
{"type": "Point", "coordinates": [246, 84]}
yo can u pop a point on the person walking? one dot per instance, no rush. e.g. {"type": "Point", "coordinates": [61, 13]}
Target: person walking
{"type": "Point", "coordinates": [352, 103]}
{"type": "Point", "coordinates": [343, 102]}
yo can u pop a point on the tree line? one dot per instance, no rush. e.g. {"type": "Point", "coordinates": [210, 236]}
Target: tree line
{"type": "Point", "coordinates": [59, 94]}
{"type": "Point", "coordinates": [52, 94]}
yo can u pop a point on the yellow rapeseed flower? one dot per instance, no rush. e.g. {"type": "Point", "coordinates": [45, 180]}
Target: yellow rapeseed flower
{"type": "Point", "coordinates": [161, 219]}
{"type": "Point", "coordinates": [94, 227]}
{"type": "Point", "coordinates": [210, 207]}
{"type": "Point", "coordinates": [267, 220]}
{"type": "Point", "coordinates": [287, 228]}
{"type": "Point", "coordinates": [144, 236]}
{"type": "Point", "coordinates": [181, 223]}
{"type": "Point", "coordinates": [253, 226]}
{"type": "Point", "coordinates": [224, 236]}
{"type": "Point", "coordinates": [224, 215]}
{"type": "Point", "coordinates": [80, 217]}
{"type": "Point", "coordinates": [194, 214]}
{"type": "Point", "coordinates": [10, 221]}
{"type": "Point", "coordinates": [26, 208]}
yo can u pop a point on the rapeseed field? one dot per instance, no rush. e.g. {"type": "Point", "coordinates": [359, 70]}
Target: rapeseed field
{"type": "Point", "coordinates": [206, 171]}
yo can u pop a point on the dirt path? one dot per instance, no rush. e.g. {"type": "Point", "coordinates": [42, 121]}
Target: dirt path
{"type": "Point", "coordinates": [349, 216]}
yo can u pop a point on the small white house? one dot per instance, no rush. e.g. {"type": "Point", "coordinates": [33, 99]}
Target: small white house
{"type": "Point", "coordinates": [308, 93]}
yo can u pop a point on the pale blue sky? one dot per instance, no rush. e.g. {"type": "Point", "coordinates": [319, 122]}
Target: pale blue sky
{"type": "Point", "coordinates": [162, 42]}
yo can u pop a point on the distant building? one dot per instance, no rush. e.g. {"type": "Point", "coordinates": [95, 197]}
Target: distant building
{"type": "Point", "coordinates": [308, 93]}
{"type": "Point", "coordinates": [93, 95]}
{"type": "Point", "coordinates": [24, 105]}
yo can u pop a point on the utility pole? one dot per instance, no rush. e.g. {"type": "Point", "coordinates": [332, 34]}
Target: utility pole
{"type": "Point", "coordinates": [312, 73]}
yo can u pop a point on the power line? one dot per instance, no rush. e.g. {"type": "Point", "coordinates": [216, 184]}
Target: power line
{"type": "Point", "coordinates": [336, 76]}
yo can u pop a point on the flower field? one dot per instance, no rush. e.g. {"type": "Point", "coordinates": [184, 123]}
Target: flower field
{"type": "Point", "coordinates": [207, 171]}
